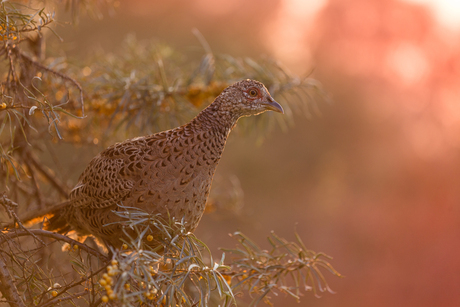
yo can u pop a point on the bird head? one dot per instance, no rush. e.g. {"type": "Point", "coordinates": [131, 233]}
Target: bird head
{"type": "Point", "coordinates": [246, 98]}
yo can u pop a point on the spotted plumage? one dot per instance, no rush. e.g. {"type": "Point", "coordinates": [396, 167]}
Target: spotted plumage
{"type": "Point", "coordinates": [167, 173]}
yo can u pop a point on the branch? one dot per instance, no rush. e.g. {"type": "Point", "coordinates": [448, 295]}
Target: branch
{"type": "Point", "coordinates": [7, 204]}
{"type": "Point", "coordinates": [34, 217]}
{"type": "Point", "coordinates": [53, 235]}
{"type": "Point", "coordinates": [25, 57]}
{"type": "Point", "coordinates": [32, 29]}
{"type": "Point", "coordinates": [62, 189]}
{"type": "Point", "coordinates": [11, 71]}
{"type": "Point", "coordinates": [8, 287]}
{"type": "Point", "coordinates": [53, 301]}
{"type": "Point", "coordinates": [38, 195]}
{"type": "Point", "coordinates": [60, 300]}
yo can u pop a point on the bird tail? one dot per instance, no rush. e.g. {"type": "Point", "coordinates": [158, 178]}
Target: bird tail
{"type": "Point", "coordinates": [56, 219]}
{"type": "Point", "coordinates": [53, 218]}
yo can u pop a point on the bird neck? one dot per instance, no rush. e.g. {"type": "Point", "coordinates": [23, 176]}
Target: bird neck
{"type": "Point", "coordinates": [215, 120]}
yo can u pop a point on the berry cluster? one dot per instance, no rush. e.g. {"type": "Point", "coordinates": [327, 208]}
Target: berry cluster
{"type": "Point", "coordinates": [107, 281]}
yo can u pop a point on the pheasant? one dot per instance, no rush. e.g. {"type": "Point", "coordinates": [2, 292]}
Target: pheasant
{"type": "Point", "coordinates": [168, 173]}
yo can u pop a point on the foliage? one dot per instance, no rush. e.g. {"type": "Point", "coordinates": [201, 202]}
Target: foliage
{"type": "Point", "coordinates": [47, 103]}
{"type": "Point", "coordinates": [261, 272]}
{"type": "Point", "coordinates": [177, 271]}
{"type": "Point", "coordinates": [181, 270]}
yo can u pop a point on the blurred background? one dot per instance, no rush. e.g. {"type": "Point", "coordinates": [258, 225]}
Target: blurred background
{"type": "Point", "coordinates": [373, 181]}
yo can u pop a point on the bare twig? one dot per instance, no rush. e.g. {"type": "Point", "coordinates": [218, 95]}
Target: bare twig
{"type": "Point", "coordinates": [53, 235]}
{"type": "Point", "coordinates": [55, 301]}
{"type": "Point", "coordinates": [16, 106]}
{"type": "Point", "coordinates": [36, 28]}
{"type": "Point", "coordinates": [8, 287]}
{"type": "Point", "coordinates": [7, 204]}
{"type": "Point", "coordinates": [31, 217]}
{"type": "Point", "coordinates": [12, 71]}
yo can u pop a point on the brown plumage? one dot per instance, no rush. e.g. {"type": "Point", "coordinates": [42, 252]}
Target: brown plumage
{"type": "Point", "coordinates": [168, 173]}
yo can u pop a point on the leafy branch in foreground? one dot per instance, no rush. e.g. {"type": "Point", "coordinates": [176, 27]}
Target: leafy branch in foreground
{"type": "Point", "coordinates": [177, 269]}
{"type": "Point", "coordinates": [289, 267]}
{"type": "Point", "coordinates": [28, 272]}
{"type": "Point", "coordinates": [172, 269]}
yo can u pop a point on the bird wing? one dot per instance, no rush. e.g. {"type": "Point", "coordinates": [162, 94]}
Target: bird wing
{"type": "Point", "coordinates": [109, 178]}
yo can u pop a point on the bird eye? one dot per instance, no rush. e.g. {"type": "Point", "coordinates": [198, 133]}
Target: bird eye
{"type": "Point", "coordinates": [253, 93]}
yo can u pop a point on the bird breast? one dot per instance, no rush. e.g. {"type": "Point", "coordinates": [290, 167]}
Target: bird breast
{"type": "Point", "coordinates": [176, 174]}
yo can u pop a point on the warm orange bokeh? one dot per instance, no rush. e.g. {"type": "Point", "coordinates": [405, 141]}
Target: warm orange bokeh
{"type": "Point", "coordinates": [374, 181]}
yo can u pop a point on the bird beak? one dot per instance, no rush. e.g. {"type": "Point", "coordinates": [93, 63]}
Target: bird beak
{"type": "Point", "coordinates": [272, 105]}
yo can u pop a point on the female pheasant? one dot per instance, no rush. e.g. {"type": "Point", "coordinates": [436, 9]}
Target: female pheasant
{"type": "Point", "coordinates": [167, 173]}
